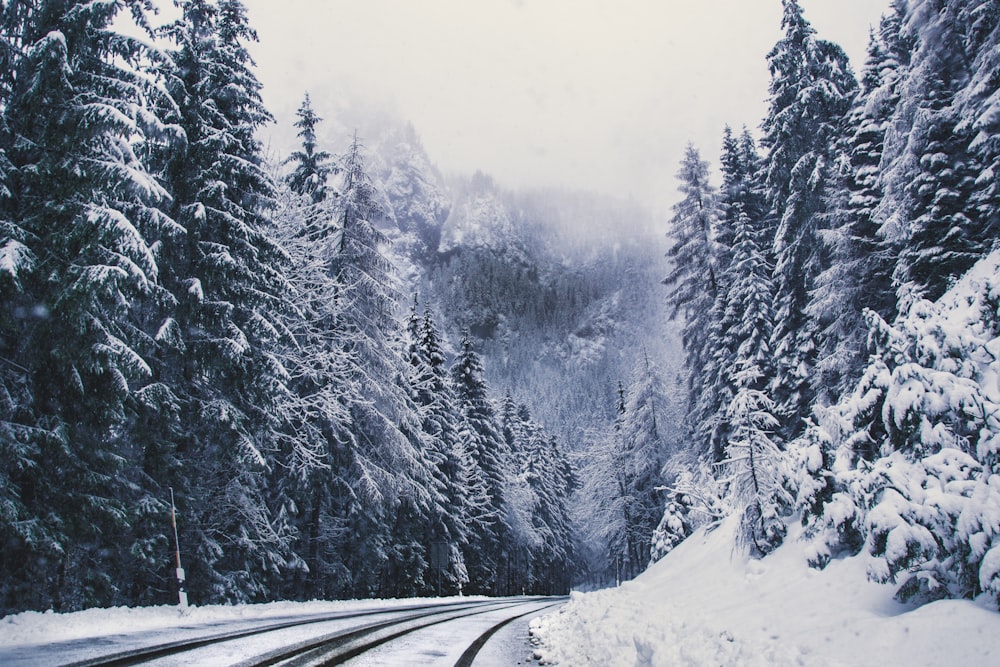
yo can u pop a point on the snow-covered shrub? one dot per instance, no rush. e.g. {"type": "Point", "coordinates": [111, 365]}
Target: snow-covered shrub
{"type": "Point", "coordinates": [754, 470]}
{"type": "Point", "coordinates": [916, 474]}
{"type": "Point", "coordinates": [693, 500]}
{"type": "Point", "coordinates": [808, 477]}
{"type": "Point", "coordinates": [673, 529]}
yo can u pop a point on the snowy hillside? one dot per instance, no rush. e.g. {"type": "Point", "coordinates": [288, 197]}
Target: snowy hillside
{"type": "Point", "coordinates": [705, 604]}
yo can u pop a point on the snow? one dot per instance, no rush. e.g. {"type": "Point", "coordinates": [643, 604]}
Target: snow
{"type": "Point", "coordinates": [705, 604]}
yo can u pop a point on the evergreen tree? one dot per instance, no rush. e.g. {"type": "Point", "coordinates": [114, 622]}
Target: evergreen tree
{"type": "Point", "coordinates": [934, 181]}
{"type": "Point", "coordinates": [315, 472]}
{"type": "Point", "coordinates": [540, 555]}
{"type": "Point", "coordinates": [811, 89]}
{"type": "Point", "coordinates": [623, 475]}
{"type": "Point", "coordinates": [741, 261]}
{"type": "Point", "coordinates": [551, 480]}
{"type": "Point", "coordinates": [78, 221]}
{"type": "Point", "coordinates": [860, 272]}
{"type": "Point", "coordinates": [433, 395]}
{"type": "Point", "coordinates": [491, 455]}
{"type": "Point", "coordinates": [312, 166]}
{"type": "Point", "coordinates": [693, 279]}
{"type": "Point", "coordinates": [219, 329]}
{"type": "Point", "coordinates": [977, 102]}
{"type": "Point", "coordinates": [747, 323]}
{"type": "Point", "coordinates": [392, 488]}
{"type": "Point", "coordinates": [753, 465]}
{"type": "Point", "coordinates": [639, 462]}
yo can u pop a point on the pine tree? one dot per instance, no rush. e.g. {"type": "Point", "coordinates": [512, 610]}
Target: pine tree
{"type": "Point", "coordinates": [491, 455]}
{"type": "Point", "coordinates": [220, 325]}
{"type": "Point", "coordinates": [740, 229]}
{"type": "Point", "coordinates": [693, 279]}
{"type": "Point", "coordinates": [78, 221]}
{"type": "Point", "coordinates": [811, 89]}
{"type": "Point", "coordinates": [640, 460]}
{"type": "Point", "coordinates": [539, 555]}
{"type": "Point", "coordinates": [393, 486]}
{"type": "Point", "coordinates": [860, 272]}
{"type": "Point", "coordinates": [934, 181]}
{"type": "Point", "coordinates": [977, 102]}
{"type": "Point", "coordinates": [433, 395]}
{"type": "Point", "coordinates": [753, 464]}
{"type": "Point", "coordinates": [315, 472]}
{"type": "Point", "coordinates": [312, 166]}
{"type": "Point", "coordinates": [746, 322]}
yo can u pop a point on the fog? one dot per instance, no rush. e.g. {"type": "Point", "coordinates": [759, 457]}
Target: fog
{"type": "Point", "coordinates": [580, 94]}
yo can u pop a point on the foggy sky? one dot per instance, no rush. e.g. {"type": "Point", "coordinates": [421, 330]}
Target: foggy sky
{"type": "Point", "coordinates": [588, 94]}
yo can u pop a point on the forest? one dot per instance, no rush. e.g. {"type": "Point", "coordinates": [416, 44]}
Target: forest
{"type": "Point", "coordinates": [358, 378]}
{"type": "Point", "coordinates": [839, 296]}
{"type": "Point", "coordinates": [180, 320]}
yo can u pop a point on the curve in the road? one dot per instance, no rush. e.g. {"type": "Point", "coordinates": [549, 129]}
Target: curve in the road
{"type": "Point", "coordinates": [145, 654]}
{"type": "Point", "coordinates": [333, 648]}
{"type": "Point", "coordinates": [340, 647]}
{"type": "Point", "coordinates": [465, 660]}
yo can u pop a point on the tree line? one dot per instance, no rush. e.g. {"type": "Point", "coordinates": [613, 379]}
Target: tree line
{"type": "Point", "coordinates": [176, 313]}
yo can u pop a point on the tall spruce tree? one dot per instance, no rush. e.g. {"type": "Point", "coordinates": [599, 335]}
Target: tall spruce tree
{"type": "Point", "coordinates": [219, 328]}
{"type": "Point", "coordinates": [312, 166]}
{"type": "Point", "coordinates": [861, 259]}
{"type": "Point", "coordinates": [811, 89]}
{"type": "Point", "coordinates": [491, 454]}
{"type": "Point", "coordinates": [393, 489]}
{"type": "Point", "coordinates": [315, 473]}
{"type": "Point", "coordinates": [932, 182]}
{"type": "Point", "coordinates": [78, 220]}
{"type": "Point", "coordinates": [642, 456]}
{"type": "Point", "coordinates": [742, 217]}
{"type": "Point", "coordinates": [430, 385]}
{"type": "Point", "coordinates": [978, 101]}
{"type": "Point", "coordinates": [693, 278]}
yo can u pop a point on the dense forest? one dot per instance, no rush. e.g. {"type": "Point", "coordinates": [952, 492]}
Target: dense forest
{"type": "Point", "coordinates": [181, 318]}
{"type": "Point", "coordinates": [839, 297]}
{"type": "Point", "coordinates": [356, 377]}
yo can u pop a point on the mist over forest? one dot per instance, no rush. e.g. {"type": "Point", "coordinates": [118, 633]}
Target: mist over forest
{"type": "Point", "coordinates": [352, 375]}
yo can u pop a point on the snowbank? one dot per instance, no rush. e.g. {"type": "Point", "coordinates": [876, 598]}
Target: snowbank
{"type": "Point", "coordinates": [703, 604]}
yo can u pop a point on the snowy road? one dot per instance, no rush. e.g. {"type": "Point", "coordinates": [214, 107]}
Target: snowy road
{"type": "Point", "coordinates": [473, 632]}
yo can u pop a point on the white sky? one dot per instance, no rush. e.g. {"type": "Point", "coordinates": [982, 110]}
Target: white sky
{"type": "Point", "coordinates": [589, 94]}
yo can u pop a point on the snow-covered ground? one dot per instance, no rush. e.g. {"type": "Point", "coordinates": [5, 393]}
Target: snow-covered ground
{"type": "Point", "coordinates": [704, 604]}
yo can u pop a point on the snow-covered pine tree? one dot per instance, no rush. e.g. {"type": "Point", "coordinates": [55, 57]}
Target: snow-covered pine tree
{"type": "Point", "coordinates": [312, 166]}
{"type": "Point", "coordinates": [432, 392]}
{"type": "Point", "coordinates": [811, 90]}
{"type": "Point", "coordinates": [742, 216]}
{"type": "Point", "coordinates": [489, 555]}
{"type": "Point", "coordinates": [541, 555]}
{"type": "Point", "coordinates": [220, 327]}
{"type": "Point", "coordinates": [314, 479]}
{"type": "Point", "coordinates": [79, 105]}
{"type": "Point", "coordinates": [753, 465]}
{"type": "Point", "coordinates": [917, 479]}
{"type": "Point", "coordinates": [693, 279]}
{"type": "Point", "coordinates": [931, 180]}
{"type": "Point", "coordinates": [622, 475]}
{"type": "Point", "coordinates": [392, 480]}
{"type": "Point", "coordinates": [642, 455]}
{"type": "Point", "coordinates": [979, 107]}
{"type": "Point", "coordinates": [747, 319]}
{"type": "Point", "coordinates": [551, 479]}
{"type": "Point", "coordinates": [861, 261]}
